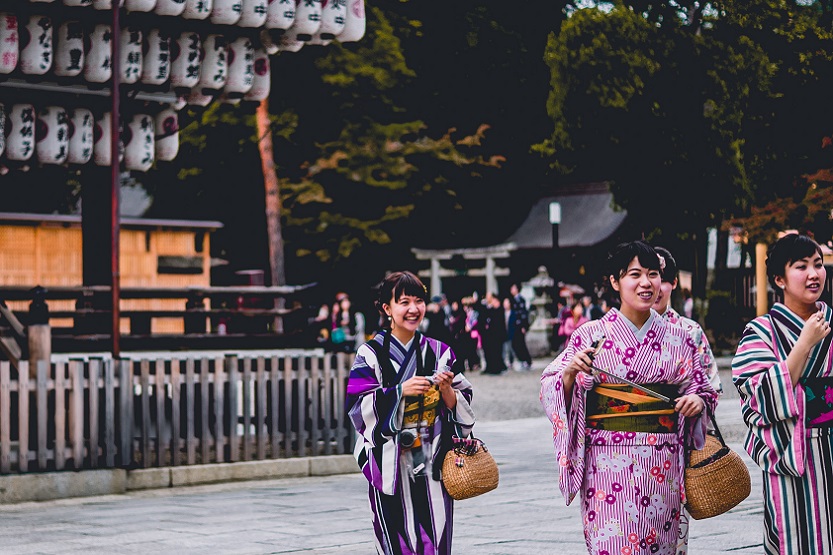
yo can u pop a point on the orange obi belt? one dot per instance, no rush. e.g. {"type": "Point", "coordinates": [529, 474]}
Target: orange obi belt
{"type": "Point", "coordinates": [622, 408]}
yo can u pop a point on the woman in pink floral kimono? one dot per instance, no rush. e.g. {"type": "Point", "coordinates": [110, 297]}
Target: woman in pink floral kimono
{"type": "Point", "coordinates": [621, 448]}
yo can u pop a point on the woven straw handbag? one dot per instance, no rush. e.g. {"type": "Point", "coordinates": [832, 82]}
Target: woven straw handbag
{"type": "Point", "coordinates": [469, 469]}
{"type": "Point", "coordinates": [716, 478]}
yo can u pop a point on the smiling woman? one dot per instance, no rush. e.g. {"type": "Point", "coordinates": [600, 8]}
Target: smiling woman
{"type": "Point", "coordinates": [403, 398]}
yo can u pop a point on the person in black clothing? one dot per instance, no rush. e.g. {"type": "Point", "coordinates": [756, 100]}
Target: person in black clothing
{"type": "Point", "coordinates": [493, 330]}
{"type": "Point", "coordinates": [521, 325]}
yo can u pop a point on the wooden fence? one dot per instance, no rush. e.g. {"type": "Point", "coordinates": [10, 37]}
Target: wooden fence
{"type": "Point", "coordinates": [152, 410]}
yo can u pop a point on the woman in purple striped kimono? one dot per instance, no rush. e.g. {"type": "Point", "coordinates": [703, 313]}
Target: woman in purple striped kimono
{"type": "Point", "coordinates": [782, 370]}
{"type": "Point", "coordinates": [620, 448]}
{"type": "Point", "coordinates": [401, 395]}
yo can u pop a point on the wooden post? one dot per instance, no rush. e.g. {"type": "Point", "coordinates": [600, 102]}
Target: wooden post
{"type": "Point", "coordinates": [38, 332]}
{"type": "Point", "coordinates": [762, 298]}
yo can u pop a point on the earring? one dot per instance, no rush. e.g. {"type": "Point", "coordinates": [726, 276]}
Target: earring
{"type": "Point", "coordinates": [781, 286]}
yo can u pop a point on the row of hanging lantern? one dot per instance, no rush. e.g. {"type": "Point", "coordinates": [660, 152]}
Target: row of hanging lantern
{"type": "Point", "coordinates": [55, 135]}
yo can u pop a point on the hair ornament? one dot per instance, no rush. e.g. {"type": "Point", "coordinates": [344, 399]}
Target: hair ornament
{"type": "Point", "coordinates": [661, 262]}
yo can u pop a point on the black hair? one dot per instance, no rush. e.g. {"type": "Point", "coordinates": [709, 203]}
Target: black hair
{"type": "Point", "coordinates": [785, 251]}
{"type": "Point", "coordinates": [621, 256]}
{"type": "Point", "coordinates": [397, 284]}
{"type": "Point", "coordinates": [670, 272]}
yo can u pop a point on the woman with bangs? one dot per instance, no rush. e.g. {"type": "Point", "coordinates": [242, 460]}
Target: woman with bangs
{"type": "Point", "coordinates": [404, 394]}
{"type": "Point", "coordinates": [621, 449]}
{"type": "Point", "coordinates": [782, 370]}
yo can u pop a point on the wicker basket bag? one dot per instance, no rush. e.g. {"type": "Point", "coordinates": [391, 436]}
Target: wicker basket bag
{"type": "Point", "coordinates": [716, 478]}
{"type": "Point", "coordinates": [469, 469]}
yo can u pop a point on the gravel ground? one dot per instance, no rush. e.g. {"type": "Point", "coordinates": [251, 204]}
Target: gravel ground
{"type": "Point", "coordinates": [508, 396]}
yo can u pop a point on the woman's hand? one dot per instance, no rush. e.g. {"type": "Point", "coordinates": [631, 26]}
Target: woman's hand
{"type": "Point", "coordinates": [580, 362]}
{"type": "Point", "coordinates": [689, 405]}
{"type": "Point", "coordinates": [417, 385]}
{"type": "Point", "coordinates": [815, 329]}
{"type": "Point", "coordinates": [443, 379]}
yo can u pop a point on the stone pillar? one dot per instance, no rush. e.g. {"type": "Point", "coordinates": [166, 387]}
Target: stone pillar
{"type": "Point", "coordinates": [38, 332]}
{"type": "Point", "coordinates": [436, 282]}
{"type": "Point", "coordinates": [491, 280]}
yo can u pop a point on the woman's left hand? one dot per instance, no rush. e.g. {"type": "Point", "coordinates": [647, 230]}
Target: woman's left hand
{"type": "Point", "coordinates": [443, 380]}
{"type": "Point", "coordinates": [689, 405]}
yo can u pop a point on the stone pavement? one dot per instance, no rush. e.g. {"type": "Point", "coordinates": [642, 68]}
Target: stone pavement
{"type": "Point", "coordinates": [329, 515]}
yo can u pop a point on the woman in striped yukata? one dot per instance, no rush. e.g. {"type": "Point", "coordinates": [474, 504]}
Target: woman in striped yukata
{"type": "Point", "coordinates": [782, 370]}
{"type": "Point", "coordinates": [401, 396]}
{"type": "Point", "coordinates": [621, 449]}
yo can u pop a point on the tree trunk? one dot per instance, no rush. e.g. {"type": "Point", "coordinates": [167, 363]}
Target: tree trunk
{"type": "Point", "coordinates": [277, 272]}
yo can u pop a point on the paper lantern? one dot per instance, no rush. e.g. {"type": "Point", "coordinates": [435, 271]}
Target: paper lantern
{"type": "Point", "coordinates": [197, 9]}
{"type": "Point", "coordinates": [241, 70]}
{"type": "Point", "coordinates": [333, 14]}
{"type": "Point", "coordinates": [138, 143]}
{"type": "Point", "coordinates": [290, 42]}
{"type": "Point", "coordinates": [214, 67]}
{"type": "Point", "coordinates": [36, 45]}
{"type": "Point", "coordinates": [253, 13]}
{"type": "Point", "coordinates": [102, 154]}
{"type": "Point", "coordinates": [226, 12]}
{"type": "Point", "coordinates": [130, 55]}
{"type": "Point", "coordinates": [73, 2]}
{"type": "Point", "coordinates": [9, 43]}
{"type": "Point", "coordinates": [185, 60]}
{"type": "Point", "coordinates": [281, 14]}
{"type": "Point", "coordinates": [105, 4]}
{"type": "Point", "coordinates": [307, 19]}
{"type": "Point", "coordinates": [69, 49]}
{"type": "Point", "coordinates": [354, 22]}
{"type": "Point", "coordinates": [166, 124]}
{"type": "Point", "coordinates": [156, 59]}
{"type": "Point", "coordinates": [20, 132]}
{"type": "Point", "coordinates": [262, 78]}
{"type": "Point", "coordinates": [97, 64]}
{"type": "Point", "coordinates": [198, 98]}
{"type": "Point", "coordinates": [81, 129]}
{"type": "Point", "coordinates": [140, 5]}
{"type": "Point", "coordinates": [52, 135]}
{"type": "Point", "coordinates": [169, 7]}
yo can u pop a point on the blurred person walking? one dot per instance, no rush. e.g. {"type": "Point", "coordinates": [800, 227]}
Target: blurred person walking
{"type": "Point", "coordinates": [401, 396]}
{"type": "Point", "coordinates": [519, 327]}
{"type": "Point", "coordinates": [493, 332]}
{"type": "Point", "coordinates": [783, 370]}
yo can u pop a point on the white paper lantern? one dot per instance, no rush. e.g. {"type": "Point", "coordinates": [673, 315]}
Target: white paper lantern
{"type": "Point", "coordinates": [262, 79]}
{"type": "Point", "coordinates": [75, 2]}
{"type": "Point", "coordinates": [333, 16]}
{"type": "Point", "coordinates": [98, 67]}
{"type": "Point", "coordinates": [354, 22]}
{"type": "Point", "coordinates": [43, 1]}
{"type": "Point", "coordinates": [170, 7]}
{"type": "Point", "coordinates": [2, 129]}
{"type": "Point", "coordinates": [185, 60]}
{"type": "Point", "coordinates": [156, 62]}
{"type": "Point", "coordinates": [130, 55]}
{"type": "Point", "coordinates": [253, 13]}
{"type": "Point", "coordinates": [69, 49]}
{"type": "Point", "coordinates": [214, 67]}
{"type": "Point", "coordinates": [281, 14]}
{"type": "Point", "coordinates": [226, 12]}
{"type": "Point", "coordinates": [9, 43]}
{"type": "Point", "coordinates": [307, 19]}
{"type": "Point", "coordinates": [290, 42]}
{"type": "Point", "coordinates": [197, 9]}
{"type": "Point", "coordinates": [105, 4]}
{"type": "Point", "coordinates": [241, 68]}
{"type": "Point", "coordinates": [81, 129]}
{"type": "Point", "coordinates": [36, 45]}
{"type": "Point", "coordinates": [20, 132]}
{"type": "Point", "coordinates": [140, 5]}
{"type": "Point", "coordinates": [52, 135]}
{"type": "Point", "coordinates": [166, 125]}
{"type": "Point", "coordinates": [138, 143]}
{"type": "Point", "coordinates": [102, 153]}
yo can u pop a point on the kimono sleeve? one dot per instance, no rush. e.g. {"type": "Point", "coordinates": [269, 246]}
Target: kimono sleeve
{"type": "Point", "coordinates": [773, 409]}
{"type": "Point", "coordinates": [699, 383]}
{"type": "Point", "coordinates": [568, 425]}
{"type": "Point", "coordinates": [375, 413]}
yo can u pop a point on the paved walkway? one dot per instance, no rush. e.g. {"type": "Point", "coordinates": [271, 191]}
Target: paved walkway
{"type": "Point", "coordinates": [526, 515]}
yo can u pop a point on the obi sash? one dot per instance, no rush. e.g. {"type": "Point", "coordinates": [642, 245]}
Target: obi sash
{"type": "Point", "coordinates": [623, 408]}
{"type": "Point", "coordinates": [818, 411]}
{"type": "Point", "coordinates": [419, 409]}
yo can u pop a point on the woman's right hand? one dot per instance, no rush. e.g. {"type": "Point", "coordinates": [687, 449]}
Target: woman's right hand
{"type": "Point", "coordinates": [815, 329]}
{"type": "Point", "coordinates": [580, 362]}
{"type": "Point", "coordinates": [417, 385]}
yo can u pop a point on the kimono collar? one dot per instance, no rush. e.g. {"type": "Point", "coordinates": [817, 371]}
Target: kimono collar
{"type": "Point", "coordinates": [639, 333]}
